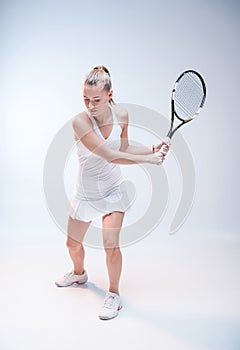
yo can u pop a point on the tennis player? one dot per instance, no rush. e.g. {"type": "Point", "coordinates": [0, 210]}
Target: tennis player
{"type": "Point", "coordinates": [101, 132]}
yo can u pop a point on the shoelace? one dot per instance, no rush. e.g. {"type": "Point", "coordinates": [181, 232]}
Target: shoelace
{"type": "Point", "coordinates": [109, 301]}
{"type": "Point", "coordinates": [68, 274]}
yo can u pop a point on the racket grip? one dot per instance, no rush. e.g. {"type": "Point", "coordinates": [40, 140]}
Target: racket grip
{"type": "Point", "coordinates": [167, 140]}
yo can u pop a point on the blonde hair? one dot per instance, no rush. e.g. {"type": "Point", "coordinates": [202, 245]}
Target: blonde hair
{"type": "Point", "coordinates": [99, 76]}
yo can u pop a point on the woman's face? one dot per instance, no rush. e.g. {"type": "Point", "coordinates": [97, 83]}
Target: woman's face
{"type": "Point", "coordinates": [96, 99]}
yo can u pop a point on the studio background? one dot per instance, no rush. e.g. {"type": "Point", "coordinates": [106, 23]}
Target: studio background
{"type": "Point", "coordinates": [47, 47]}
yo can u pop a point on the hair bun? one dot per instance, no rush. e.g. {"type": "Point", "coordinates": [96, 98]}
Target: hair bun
{"type": "Point", "coordinates": [103, 68]}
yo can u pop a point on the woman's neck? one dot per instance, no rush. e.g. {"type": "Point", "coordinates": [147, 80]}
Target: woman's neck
{"type": "Point", "coordinates": [105, 117]}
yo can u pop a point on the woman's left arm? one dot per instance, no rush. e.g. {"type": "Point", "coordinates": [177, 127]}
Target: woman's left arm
{"type": "Point", "coordinates": [125, 146]}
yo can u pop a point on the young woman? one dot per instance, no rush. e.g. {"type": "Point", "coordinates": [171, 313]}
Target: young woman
{"type": "Point", "coordinates": [101, 132]}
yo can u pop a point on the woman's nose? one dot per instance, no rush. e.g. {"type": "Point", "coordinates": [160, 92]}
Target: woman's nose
{"type": "Point", "coordinates": [91, 105]}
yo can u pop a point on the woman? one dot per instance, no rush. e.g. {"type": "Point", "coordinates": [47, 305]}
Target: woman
{"type": "Point", "coordinates": [101, 133]}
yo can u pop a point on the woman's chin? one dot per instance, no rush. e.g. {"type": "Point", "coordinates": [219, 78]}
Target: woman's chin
{"type": "Point", "coordinates": [93, 113]}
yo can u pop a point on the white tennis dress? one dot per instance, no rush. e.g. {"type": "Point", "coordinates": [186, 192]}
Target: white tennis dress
{"type": "Point", "coordinates": [100, 187]}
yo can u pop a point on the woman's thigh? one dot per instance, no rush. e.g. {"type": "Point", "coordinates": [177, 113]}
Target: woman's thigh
{"type": "Point", "coordinates": [76, 229]}
{"type": "Point", "coordinates": [111, 227]}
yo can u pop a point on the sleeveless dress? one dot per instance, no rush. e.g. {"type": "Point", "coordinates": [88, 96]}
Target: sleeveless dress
{"type": "Point", "coordinates": [100, 187]}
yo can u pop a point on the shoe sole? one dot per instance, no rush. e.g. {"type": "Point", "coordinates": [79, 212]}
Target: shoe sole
{"type": "Point", "coordinates": [110, 318]}
{"type": "Point", "coordinates": [67, 285]}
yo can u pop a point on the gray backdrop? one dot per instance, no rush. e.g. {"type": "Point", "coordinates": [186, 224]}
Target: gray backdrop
{"type": "Point", "coordinates": [47, 47]}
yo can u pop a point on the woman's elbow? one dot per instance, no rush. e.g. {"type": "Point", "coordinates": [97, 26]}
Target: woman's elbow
{"type": "Point", "coordinates": [123, 149]}
{"type": "Point", "coordinates": [110, 156]}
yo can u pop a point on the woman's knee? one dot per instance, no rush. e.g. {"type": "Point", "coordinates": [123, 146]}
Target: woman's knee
{"type": "Point", "coordinates": [73, 244]}
{"type": "Point", "coordinates": [111, 252]}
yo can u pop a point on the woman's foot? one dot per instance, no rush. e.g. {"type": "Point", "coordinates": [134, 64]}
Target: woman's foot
{"type": "Point", "coordinates": [112, 305]}
{"type": "Point", "coordinates": [70, 278]}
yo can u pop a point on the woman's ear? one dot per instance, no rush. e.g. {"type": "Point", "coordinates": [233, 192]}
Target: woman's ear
{"type": "Point", "coordinates": [110, 94]}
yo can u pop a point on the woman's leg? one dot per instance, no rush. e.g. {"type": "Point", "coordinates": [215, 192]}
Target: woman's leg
{"type": "Point", "coordinates": [111, 227]}
{"type": "Point", "coordinates": [76, 230]}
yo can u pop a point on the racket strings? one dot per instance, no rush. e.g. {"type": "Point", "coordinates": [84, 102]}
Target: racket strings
{"type": "Point", "coordinates": [188, 96]}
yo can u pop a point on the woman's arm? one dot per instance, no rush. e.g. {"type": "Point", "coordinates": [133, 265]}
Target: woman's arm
{"type": "Point", "coordinates": [137, 149]}
{"type": "Point", "coordinates": [148, 150]}
{"type": "Point", "coordinates": [122, 115]}
{"type": "Point", "coordinates": [95, 144]}
{"type": "Point", "coordinates": [126, 147]}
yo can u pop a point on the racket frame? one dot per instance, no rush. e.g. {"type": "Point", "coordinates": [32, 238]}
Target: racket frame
{"type": "Point", "coordinates": [173, 110]}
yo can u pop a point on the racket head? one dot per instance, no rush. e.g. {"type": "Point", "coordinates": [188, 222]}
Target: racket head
{"type": "Point", "coordinates": [188, 95]}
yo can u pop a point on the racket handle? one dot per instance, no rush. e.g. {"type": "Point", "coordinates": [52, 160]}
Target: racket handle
{"type": "Point", "coordinates": [167, 140]}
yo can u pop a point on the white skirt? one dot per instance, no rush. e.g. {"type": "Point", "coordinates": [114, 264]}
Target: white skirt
{"type": "Point", "coordinates": [88, 210]}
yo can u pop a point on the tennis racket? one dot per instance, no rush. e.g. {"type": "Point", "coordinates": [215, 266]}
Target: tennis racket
{"type": "Point", "coordinates": [187, 100]}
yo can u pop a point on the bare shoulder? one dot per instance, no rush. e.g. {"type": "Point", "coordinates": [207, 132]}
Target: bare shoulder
{"type": "Point", "coordinates": [121, 113]}
{"type": "Point", "coordinates": [81, 119]}
{"type": "Point", "coordinates": [81, 124]}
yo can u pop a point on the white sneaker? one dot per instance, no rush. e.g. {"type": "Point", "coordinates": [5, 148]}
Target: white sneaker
{"type": "Point", "coordinates": [70, 278]}
{"type": "Point", "coordinates": [112, 304]}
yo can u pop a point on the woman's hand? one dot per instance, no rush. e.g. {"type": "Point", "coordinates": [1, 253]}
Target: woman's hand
{"type": "Point", "coordinates": [163, 146]}
{"type": "Point", "coordinates": [156, 158]}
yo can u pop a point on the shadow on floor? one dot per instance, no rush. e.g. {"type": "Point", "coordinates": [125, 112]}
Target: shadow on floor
{"type": "Point", "coordinates": [214, 333]}
{"type": "Point", "coordinates": [92, 287]}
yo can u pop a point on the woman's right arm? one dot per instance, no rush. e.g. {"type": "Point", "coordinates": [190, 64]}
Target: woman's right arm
{"type": "Point", "coordinates": [95, 144]}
